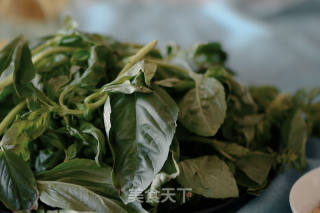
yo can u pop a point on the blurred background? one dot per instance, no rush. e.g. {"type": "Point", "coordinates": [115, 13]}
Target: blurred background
{"type": "Point", "coordinates": [268, 41]}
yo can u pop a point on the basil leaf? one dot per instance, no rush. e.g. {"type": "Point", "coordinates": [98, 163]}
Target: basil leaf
{"type": "Point", "coordinates": [208, 176]}
{"type": "Point", "coordinates": [97, 69]}
{"type": "Point", "coordinates": [231, 148]}
{"type": "Point", "coordinates": [7, 52]}
{"type": "Point", "coordinates": [256, 165]}
{"type": "Point", "coordinates": [177, 84]}
{"type": "Point", "coordinates": [83, 172]}
{"type": "Point", "coordinates": [206, 55]}
{"type": "Point", "coordinates": [149, 72]}
{"type": "Point", "coordinates": [92, 136]}
{"type": "Point", "coordinates": [23, 70]}
{"type": "Point", "coordinates": [142, 128]}
{"type": "Point", "coordinates": [18, 186]}
{"type": "Point", "coordinates": [294, 135]}
{"type": "Point", "coordinates": [203, 108]}
{"type": "Point", "coordinates": [24, 130]}
{"type": "Point", "coordinates": [131, 81]}
{"type": "Point", "coordinates": [74, 197]}
{"type": "Point", "coordinates": [98, 138]}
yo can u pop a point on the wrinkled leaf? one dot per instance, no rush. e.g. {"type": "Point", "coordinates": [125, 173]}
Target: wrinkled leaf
{"type": "Point", "coordinates": [208, 176]}
{"type": "Point", "coordinates": [132, 80]}
{"type": "Point", "coordinates": [97, 67]}
{"type": "Point", "coordinates": [256, 165]}
{"type": "Point", "coordinates": [25, 130]}
{"type": "Point", "coordinates": [92, 136]}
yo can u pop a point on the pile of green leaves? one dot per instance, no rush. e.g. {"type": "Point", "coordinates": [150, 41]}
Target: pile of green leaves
{"type": "Point", "coordinates": [86, 120]}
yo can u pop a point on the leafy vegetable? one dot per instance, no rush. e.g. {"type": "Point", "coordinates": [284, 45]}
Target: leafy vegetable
{"type": "Point", "coordinates": [21, 132]}
{"type": "Point", "coordinates": [89, 123]}
{"type": "Point", "coordinates": [70, 196]}
{"type": "Point", "coordinates": [18, 186]}
{"type": "Point", "coordinates": [208, 176]}
{"type": "Point", "coordinates": [256, 165]}
{"type": "Point", "coordinates": [203, 109]}
{"type": "Point", "coordinates": [85, 173]}
{"type": "Point", "coordinates": [142, 128]}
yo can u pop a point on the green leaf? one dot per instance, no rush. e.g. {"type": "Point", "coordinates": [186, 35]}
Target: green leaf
{"type": "Point", "coordinates": [25, 130]}
{"type": "Point", "coordinates": [91, 135]}
{"type": "Point", "coordinates": [18, 186]}
{"type": "Point", "coordinates": [23, 68]}
{"type": "Point", "coordinates": [207, 55]}
{"type": "Point", "coordinates": [149, 72]}
{"type": "Point", "coordinates": [52, 62]}
{"type": "Point", "coordinates": [263, 96]}
{"type": "Point", "coordinates": [231, 148]}
{"type": "Point", "coordinates": [71, 152]}
{"type": "Point", "coordinates": [6, 54]}
{"type": "Point", "coordinates": [203, 109]}
{"type": "Point", "coordinates": [256, 165]}
{"type": "Point", "coordinates": [97, 69]}
{"type": "Point", "coordinates": [294, 134]}
{"type": "Point", "coordinates": [140, 128]}
{"type": "Point", "coordinates": [176, 83]}
{"type": "Point", "coordinates": [86, 173]}
{"type": "Point", "coordinates": [74, 197]}
{"type": "Point", "coordinates": [133, 80]}
{"type": "Point", "coordinates": [83, 172]}
{"type": "Point", "coordinates": [208, 176]}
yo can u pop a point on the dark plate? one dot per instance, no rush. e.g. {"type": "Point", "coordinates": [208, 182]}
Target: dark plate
{"type": "Point", "coordinates": [217, 206]}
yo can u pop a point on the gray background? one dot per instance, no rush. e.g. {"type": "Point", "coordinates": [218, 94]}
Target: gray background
{"type": "Point", "coordinates": [268, 41]}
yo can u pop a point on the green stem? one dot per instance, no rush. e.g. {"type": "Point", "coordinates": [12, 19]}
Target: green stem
{"type": "Point", "coordinates": [51, 51]}
{"type": "Point", "coordinates": [46, 44]}
{"type": "Point", "coordinates": [44, 99]}
{"type": "Point", "coordinates": [162, 63]}
{"type": "Point", "coordinates": [138, 56]}
{"type": "Point", "coordinates": [97, 104]}
{"type": "Point", "coordinates": [6, 82]}
{"type": "Point", "coordinates": [7, 120]}
{"type": "Point", "coordinates": [93, 96]}
{"type": "Point", "coordinates": [66, 110]}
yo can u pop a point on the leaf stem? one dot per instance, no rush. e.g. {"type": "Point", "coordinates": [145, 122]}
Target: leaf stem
{"type": "Point", "coordinates": [98, 103]}
{"type": "Point", "coordinates": [168, 65]}
{"type": "Point", "coordinates": [6, 82]}
{"type": "Point", "coordinates": [45, 53]}
{"type": "Point", "coordinates": [138, 56]}
{"type": "Point", "coordinates": [44, 45]}
{"type": "Point", "coordinates": [7, 120]}
{"type": "Point", "coordinates": [66, 110]}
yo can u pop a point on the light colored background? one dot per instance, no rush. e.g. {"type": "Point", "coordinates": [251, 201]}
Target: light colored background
{"type": "Point", "coordinates": [269, 41]}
